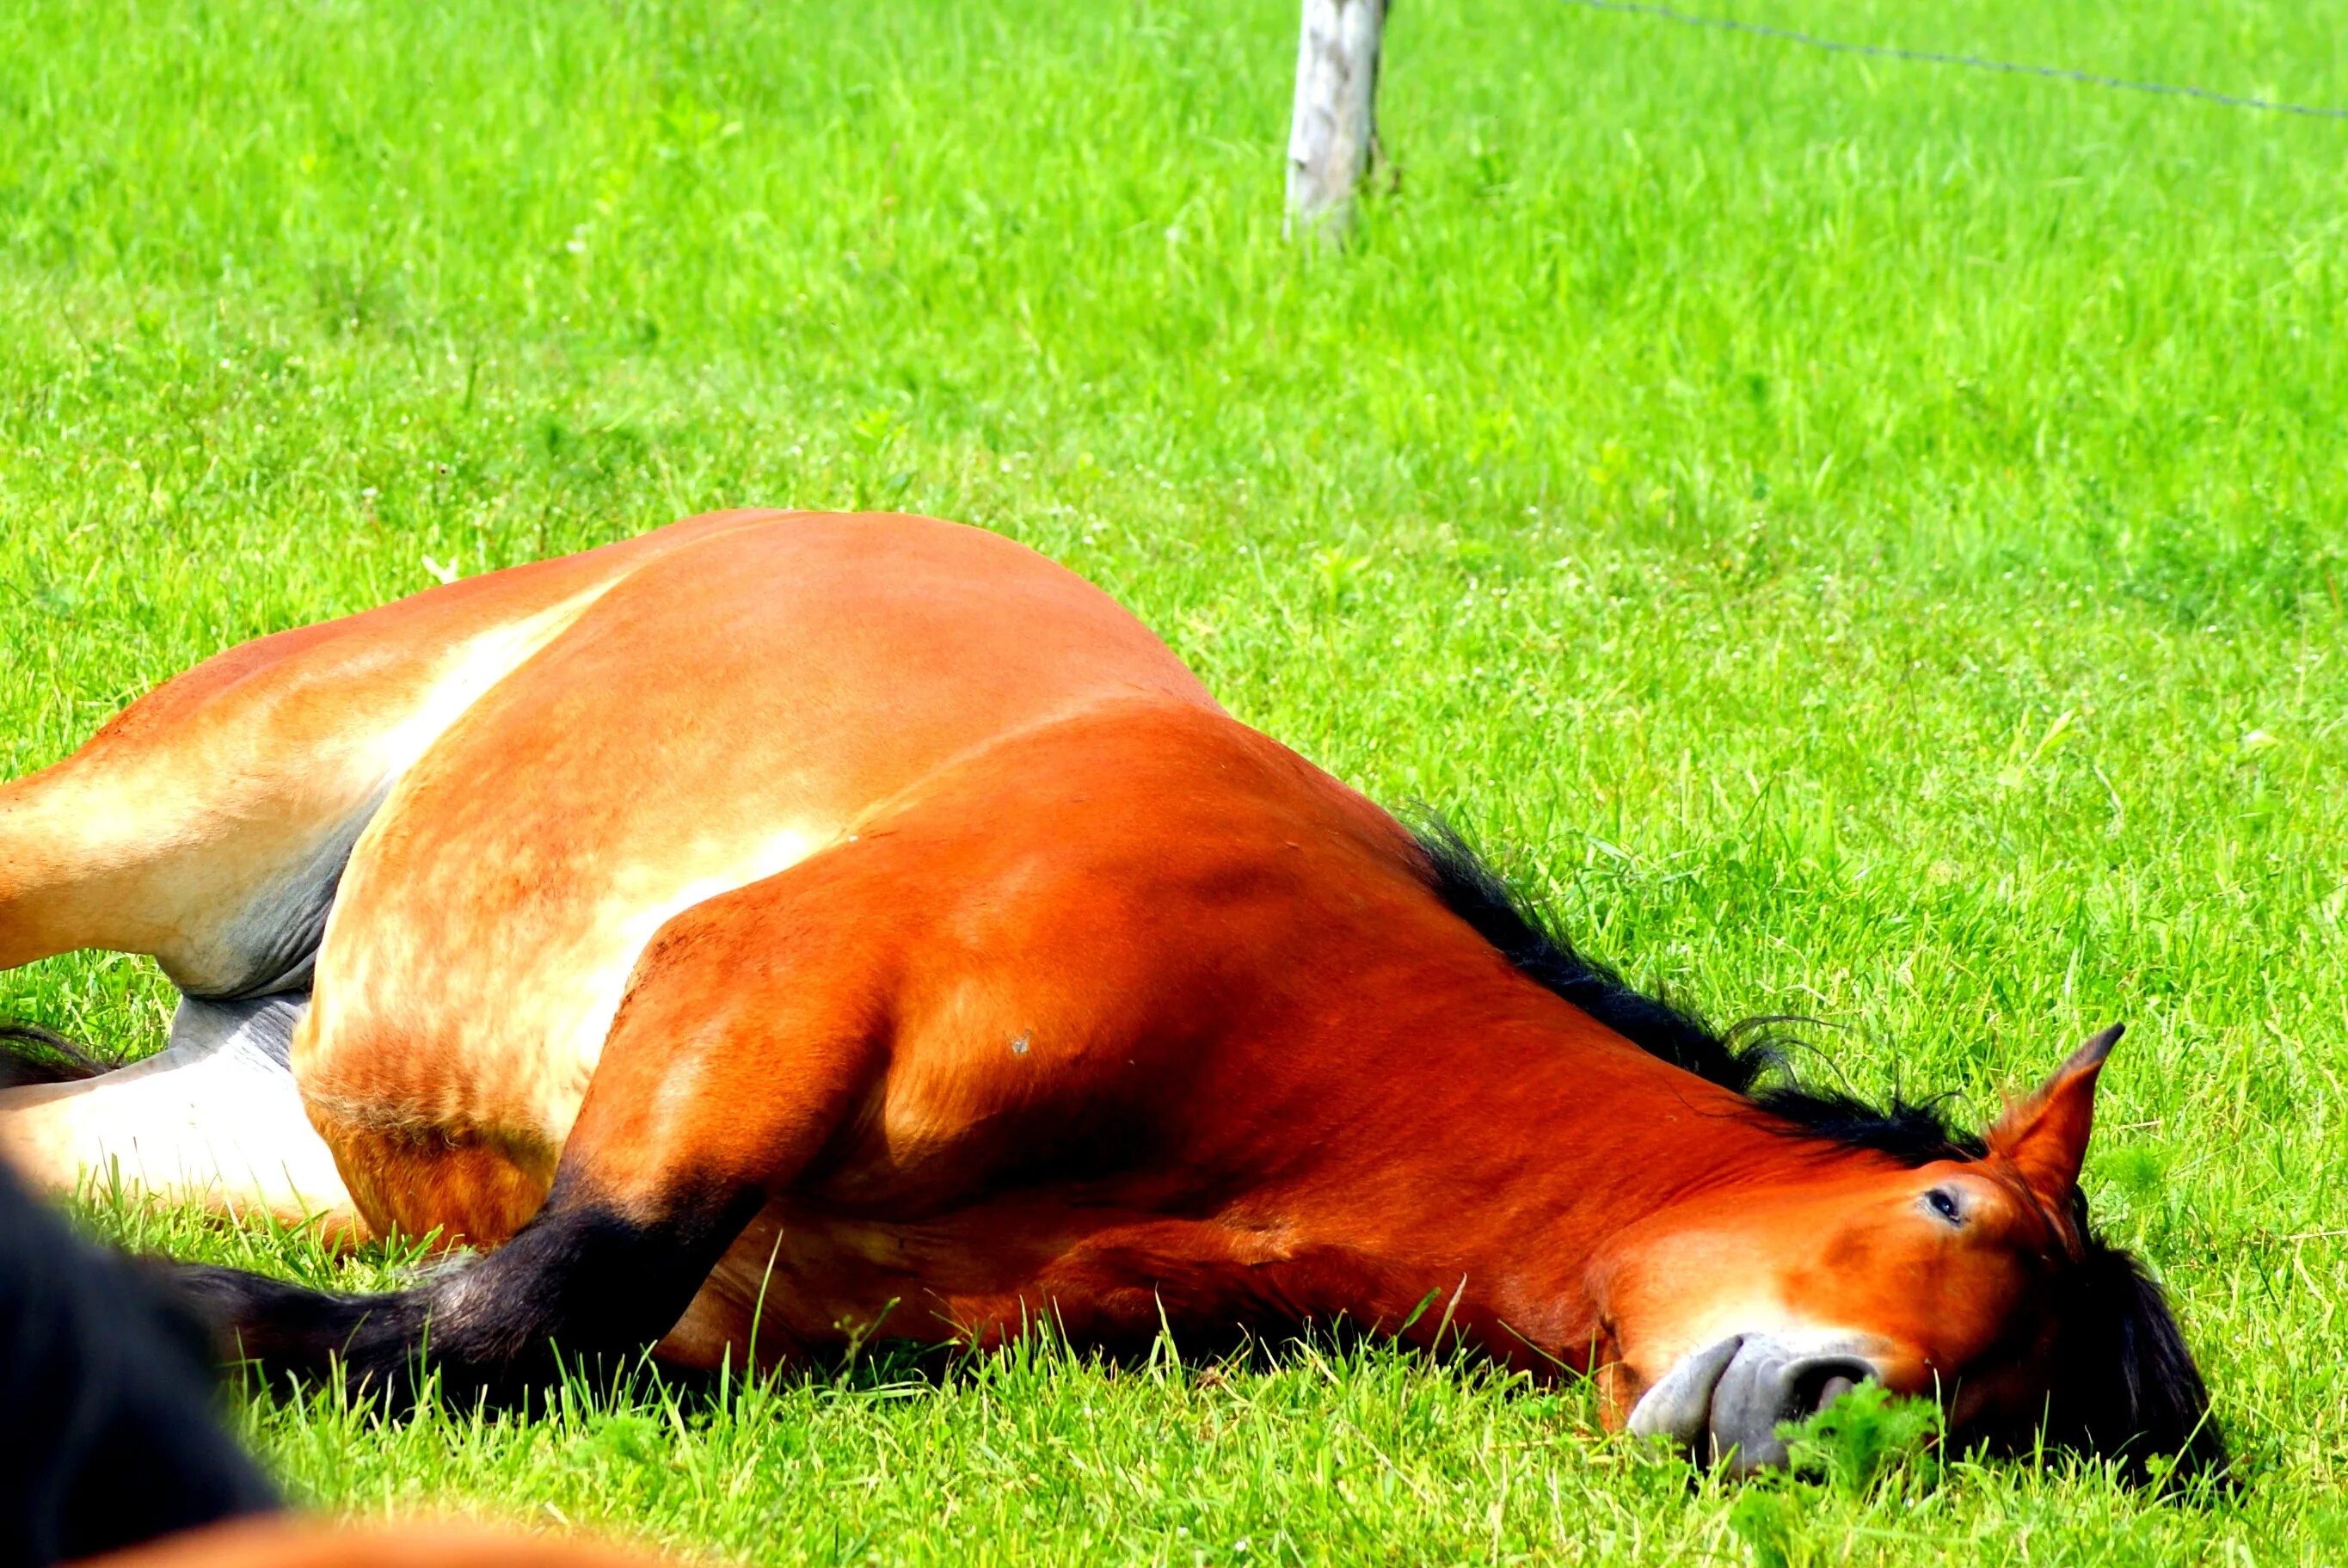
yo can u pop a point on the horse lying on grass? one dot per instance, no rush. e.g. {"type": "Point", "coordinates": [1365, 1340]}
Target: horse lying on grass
{"type": "Point", "coordinates": [782, 924]}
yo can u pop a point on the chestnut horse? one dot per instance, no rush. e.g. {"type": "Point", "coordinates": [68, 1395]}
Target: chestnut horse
{"type": "Point", "coordinates": [782, 927]}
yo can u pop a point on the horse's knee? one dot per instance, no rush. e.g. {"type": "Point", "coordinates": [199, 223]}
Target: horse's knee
{"type": "Point", "coordinates": [420, 1184]}
{"type": "Point", "coordinates": [415, 1164]}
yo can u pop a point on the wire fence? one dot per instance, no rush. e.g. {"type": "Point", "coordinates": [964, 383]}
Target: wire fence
{"type": "Point", "coordinates": [1970, 62]}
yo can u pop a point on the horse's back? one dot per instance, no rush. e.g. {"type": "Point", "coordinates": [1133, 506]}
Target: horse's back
{"type": "Point", "coordinates": [206, 824]}
{"type": "Point", "coordinates": [710, 720]}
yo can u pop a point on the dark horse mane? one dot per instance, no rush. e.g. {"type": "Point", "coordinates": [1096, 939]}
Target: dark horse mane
{"type": "Point", "coordinates": [2126, 1386]}
{"type": "Point", "coordinates": [1916, 1132]}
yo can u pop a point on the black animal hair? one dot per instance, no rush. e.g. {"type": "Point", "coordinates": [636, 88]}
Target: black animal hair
{"type": "Point", "coordinates": [1917, 1132]}
{"type": "Point", "coordinates": [30, 1054]}
{"type": "Point", "coordinates": [2125, 1385]}
{"type": "Point", "coordinates": [111, 1438]}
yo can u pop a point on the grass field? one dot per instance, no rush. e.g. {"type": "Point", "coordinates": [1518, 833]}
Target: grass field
{"type": "Point", "coordinates": [1860, 539]}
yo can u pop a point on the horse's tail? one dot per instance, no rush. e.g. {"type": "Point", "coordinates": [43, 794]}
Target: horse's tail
{"type": "Point", "coordinates": [30, 1054]}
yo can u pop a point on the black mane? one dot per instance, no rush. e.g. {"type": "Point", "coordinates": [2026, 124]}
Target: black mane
{"type": "Point", "coordinates": [2124, 1384]}
{"type": "Point", "coordinates": [1917, 1132]}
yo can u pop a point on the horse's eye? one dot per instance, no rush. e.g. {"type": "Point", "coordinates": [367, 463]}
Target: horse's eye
{"type": "Point", "coordinates": [1943, 1203]}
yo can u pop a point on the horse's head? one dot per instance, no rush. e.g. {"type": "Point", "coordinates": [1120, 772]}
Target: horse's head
{"type": "Point", "coordinates": [1968, 1275]}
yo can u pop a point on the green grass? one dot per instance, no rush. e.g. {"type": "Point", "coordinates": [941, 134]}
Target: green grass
{"type": "Point", "coordinates": [1863, 540]}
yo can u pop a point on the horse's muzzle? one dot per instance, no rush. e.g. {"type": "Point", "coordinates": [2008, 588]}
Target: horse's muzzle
{"type": "Point", "coordinates": [1723, 1403]}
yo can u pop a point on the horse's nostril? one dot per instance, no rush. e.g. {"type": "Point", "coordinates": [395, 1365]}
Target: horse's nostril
{"type": "Point", "coordinates": [1766, 1384]}
{"type": "Point", "coordinates": [1821, 1383]}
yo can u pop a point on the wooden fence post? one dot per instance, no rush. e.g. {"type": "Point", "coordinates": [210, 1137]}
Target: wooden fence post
{"type": "Point", "coordinates": [1334, 128]}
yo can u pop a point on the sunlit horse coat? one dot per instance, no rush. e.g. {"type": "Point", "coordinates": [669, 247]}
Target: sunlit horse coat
{"type": "Point", "coordinates": [809, 924]}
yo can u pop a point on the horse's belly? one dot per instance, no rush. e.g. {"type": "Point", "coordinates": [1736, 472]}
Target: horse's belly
{"type": "Point", "coordinates": [718, 716]}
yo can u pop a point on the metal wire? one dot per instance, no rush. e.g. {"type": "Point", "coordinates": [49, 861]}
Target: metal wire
{"type": "Point", "coordinates": [1973, 62]}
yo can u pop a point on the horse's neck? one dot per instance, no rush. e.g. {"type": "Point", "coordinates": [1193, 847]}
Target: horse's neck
{"type": "Point", "coordinates": [1479, 1179]}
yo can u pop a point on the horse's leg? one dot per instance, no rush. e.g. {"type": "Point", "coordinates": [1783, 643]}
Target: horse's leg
{"type": "Point", "coordinates": [214, 1118]}
{"type": "Point", "coordinates": [209, 822]}
{"type": "Point", "coordinates": [750, 1033]}
{"type": "Point", "coordinates": [205, 825]}
{"type": "Point", "coordinates": [208, 825]}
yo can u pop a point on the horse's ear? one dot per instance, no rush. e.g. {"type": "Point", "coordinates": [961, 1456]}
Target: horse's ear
{"type": "Point", "coordinates": [2046, 1136]}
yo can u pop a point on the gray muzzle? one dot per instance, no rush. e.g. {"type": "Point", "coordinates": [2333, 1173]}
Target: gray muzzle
{"type": "Point", "coordinates": [1723, 1403]}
